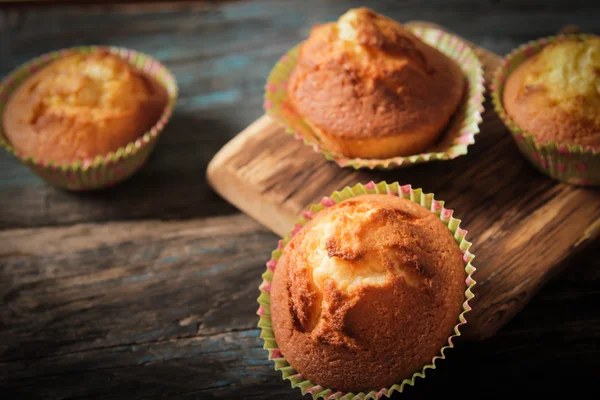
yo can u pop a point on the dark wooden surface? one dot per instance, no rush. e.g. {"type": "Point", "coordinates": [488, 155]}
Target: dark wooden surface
{"type": "Point", "coordinates": [148, 290]}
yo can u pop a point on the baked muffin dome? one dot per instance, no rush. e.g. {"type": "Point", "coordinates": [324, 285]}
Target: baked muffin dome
{"type": "Point", "coordinates": [555, 95]}
{"type": "Point", "coordinates": [367, 293]}
{"type": "Point", "coordinates": [81, 106]}
{"type": "Point", "coordinates": [369, 88]}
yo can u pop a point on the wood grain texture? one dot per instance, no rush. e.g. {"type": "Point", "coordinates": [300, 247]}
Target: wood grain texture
{"type": "Point", "coordinates": [59, 272]}
{"type": "Point", "coordinates": [123, 294]}
{"type": "Point", "coordinates": [166, 309]}
{"type": "Point", "coordinates": [524, 225]}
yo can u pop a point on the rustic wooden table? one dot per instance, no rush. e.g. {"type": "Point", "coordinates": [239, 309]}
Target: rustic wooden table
{"type": "Point", "coordinates": [148, 290]}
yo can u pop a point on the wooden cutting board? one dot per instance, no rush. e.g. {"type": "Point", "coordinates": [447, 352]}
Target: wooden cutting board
{"type": "Point", "coordinates": [523, 225]}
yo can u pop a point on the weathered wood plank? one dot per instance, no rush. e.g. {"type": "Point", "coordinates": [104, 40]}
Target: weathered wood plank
{"type": "Point", "coordinates": [130, 326]}
{"type": "Point", "coordinates": [212, 361]}
{"type": "Point", "coordinates": [151, 369]}
{"type": "Point", "coordinates": [125, 283]}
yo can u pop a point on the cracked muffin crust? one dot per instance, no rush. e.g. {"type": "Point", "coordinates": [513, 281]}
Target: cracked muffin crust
{"type": "Point", "coordinates": [370, 88]}
{"type": "Point", "coordinates": [367, 293]}
{"type": "Point", "coordinates": [81, 106]}
{"type": "Point", "coordinates": [555, 95]}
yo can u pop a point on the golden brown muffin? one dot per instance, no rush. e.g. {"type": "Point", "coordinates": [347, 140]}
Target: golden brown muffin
{"type": "Point", "coordinates": [367, 293]}
{"type": "Point", "coordinates": [369, 88]}
{"type": "Point", "coordinates": [81, 106]}
{"type": "Point", "coordinates": [555, 95]}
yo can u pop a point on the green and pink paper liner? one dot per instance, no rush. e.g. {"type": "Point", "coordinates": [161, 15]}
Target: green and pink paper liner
{"type": "Point", "coordinates": [394, 189]}
{"type": "Point", "coordinates": [103, 170]}
{"type": "Point", "coordinates": [569, 163]}
{"type": "Point", "coordinates": [454, 141]}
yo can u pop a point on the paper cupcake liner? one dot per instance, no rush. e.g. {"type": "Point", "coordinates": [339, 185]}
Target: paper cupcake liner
{"type": "Point", "coordinates": [458, 135]}
{"type": "Point", "coordinates": [103, 170]}
{"type": "Point", "coordinates": [394, 189]}
{"type": "Point", "coordinates": [573, 164]}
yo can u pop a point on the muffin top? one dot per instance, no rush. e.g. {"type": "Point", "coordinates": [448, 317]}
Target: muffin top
{"type": "Point", "coordinates": [80, 106]}
{"type": "Point", "coordinates": [367, 293]}
{"type": "Point", "coordinates": [555, 95]}
{"type": "Point", "coordinates": [368, 76]}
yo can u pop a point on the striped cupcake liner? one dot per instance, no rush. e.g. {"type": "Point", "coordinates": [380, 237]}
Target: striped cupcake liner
{"type": "Point", "coordinates": [103, 170]}
{"type": "Point", "coordinates": [572, 164]}
{"type": "Point", "coordinates": [264, 311]}
{"type": "Point", "coordinates": [457, 137]}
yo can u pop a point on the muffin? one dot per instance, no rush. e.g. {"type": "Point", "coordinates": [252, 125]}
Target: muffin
{"type": "Point", "coordinates": [555, 95]}
{"type": "Point", "coordinates": [367, 293]}
{"type": "Point", "coordinates": [81, 106]}
{"type": "Point", "coordinates": [369, 88]}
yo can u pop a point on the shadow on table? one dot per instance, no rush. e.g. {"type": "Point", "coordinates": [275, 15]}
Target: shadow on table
{"type": "Point", "coordinates": [171, 185]}
{"type": "Point", "coordinates": [173, 182]}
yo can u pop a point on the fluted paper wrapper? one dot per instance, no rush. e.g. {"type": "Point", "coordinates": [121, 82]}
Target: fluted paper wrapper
{"type": "Point", "coordinates": [454, 141]}
{"type": "Point", "coordinates": [573, 164]}
{"type": "Point", "coordinates": [103, 170]}
{"type": "Point", "coordinates": [393, 189]}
